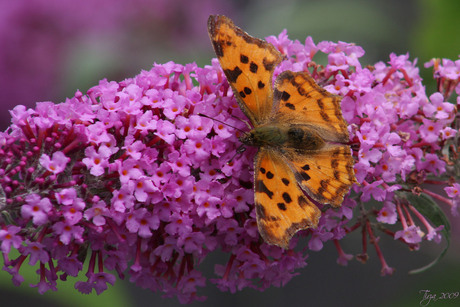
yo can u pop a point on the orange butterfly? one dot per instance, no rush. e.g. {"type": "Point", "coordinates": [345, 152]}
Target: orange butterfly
{"type": "Point", "coordinates": [298, 127]}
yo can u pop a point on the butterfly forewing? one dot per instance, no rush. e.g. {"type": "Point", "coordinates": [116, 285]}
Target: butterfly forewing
{"type": "Point", "coordinates": [301, 100]}
{"type": "Point", "coordinates": [248, 64]}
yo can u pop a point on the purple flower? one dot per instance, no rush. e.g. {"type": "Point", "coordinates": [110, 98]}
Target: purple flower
{"type": "Point", "coordinates": [70, 265]}
{"type": "Point", "coordinates": [433, 234]}
{"type": "Point", "coordinates": [68, 232]}
{"type": "Point", "coordinates": [388, 213]}
{"type": "Point", "coordinates": [55, 165]}
{"type": "Point", "coordinates": [375, 190]}
{"type": "Point", "coordinates": [454, 193]}
{"type": "Point", "coordinates": [9, 237]}
{"type": "Point", "coordinates": [142, 222]}
{"type": "Point", "coordinates": [191, 242]}
{"type": "Point", "coordinates": [36, 252]}
{"type": "Point", "coordinates": [97, 161]}
{"type": "Point", "coordinates": [317, 239]}
{"type": "Point", "coordinates": [97, 213]}
{"type": "Point", "coordinates": [100, 281]}
{"type": "Point", "coordinates": [36, 208]}
{"type": "Point", "coordinates": [72, 213]}
{"type": "Point", "coordinates": [66, 196]}
{"type": "Point", "coordinates": [411, 234]}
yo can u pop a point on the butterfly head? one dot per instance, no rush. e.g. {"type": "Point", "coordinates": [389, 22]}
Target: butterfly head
{"type": "Point", "coordinates": [248, 138]}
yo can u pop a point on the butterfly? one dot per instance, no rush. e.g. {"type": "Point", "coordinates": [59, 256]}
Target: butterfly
{"type": "Point", "coordinates": [303, 156]}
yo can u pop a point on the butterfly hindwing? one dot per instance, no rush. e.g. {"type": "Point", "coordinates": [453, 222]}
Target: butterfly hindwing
{"type": "Point", "coordinates": [326, 175]}
{"type": "Point", "coordinates": [248, 64]}
{"type": "Point", "coordinates": [282, 208]}
{"type": "Point", "coordinates": [300, 100]}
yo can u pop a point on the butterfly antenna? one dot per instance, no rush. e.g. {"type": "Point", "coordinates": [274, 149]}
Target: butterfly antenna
{"type": "Point", "coordinates": [241, 148]}
{"type": "Point", "coordinates": [242, 120]}
{"type": "Point", "coordinates": [214, 119]}
{"type": "Point", "coordinates": [239, 151]}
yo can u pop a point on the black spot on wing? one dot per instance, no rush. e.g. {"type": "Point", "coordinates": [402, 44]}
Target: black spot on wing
{"type": "Point", "coordinates": [272, 218]}
{"type": "Point", "coordinates": [253, 67]}
{"type": "Point", "coordinates": [287, 198]}
{"type": "Point", "coordinates": [247, 90]}
{"type": "Point", "coordinates": [302, 201]}
{"type": "Point", "coordinates": [232, 75]}
{"type": "Point", "coordinates": [278, 95]}
{"type": "Point", "coordinates": [260, 85]}
{"type": "Point", "coordinates": [285, 181]}
{"type": "Point", "coordinates": [304, 176]}
{"type": "Point", "coordinates": [336, 153]}
{"type": "Point", "coordinates": [322, 112]}
{"type": "Point", "coordinates": [337, 175]}
{"type": "Point", "coordinates": [244, 59]}
{"type": "Point", "coordinates": [262, 188]}
{"type": "Point", "coordinates": [260, 211]}
{"type": "Point", "coordinates": [335, 163]}
{"type": "Point", "coordinates": [290, 106]}
{"type": "Point", "coordinates": [285, 96]}
{"type": "Point", "coordinates": [281, 206]}
{"type": "Point", "coordinates": [288, 75]}
{"type": "Point", "coordinates": [268, 65]}
{"type": "Point", "coordinates": [323, 188]}
{"type": "Point", "coordinates": [302, 92]}
{"type": "Point", "coordinates": [270, 175]}
{"type": "Point", "coordinates": [218, 48]}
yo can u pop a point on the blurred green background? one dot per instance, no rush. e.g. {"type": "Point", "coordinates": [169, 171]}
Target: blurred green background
{"type": "Point", "coordinates": [48, 50]}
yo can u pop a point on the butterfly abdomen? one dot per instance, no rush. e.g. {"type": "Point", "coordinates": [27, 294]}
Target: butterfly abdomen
{"type": "Point", "coordinates": [303, 138]}
{"type": "Point", "coordinates": [297, 137]}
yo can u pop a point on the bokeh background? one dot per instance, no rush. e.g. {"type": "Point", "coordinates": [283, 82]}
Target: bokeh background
{"type": "Point", "coordinates": [50, 49]}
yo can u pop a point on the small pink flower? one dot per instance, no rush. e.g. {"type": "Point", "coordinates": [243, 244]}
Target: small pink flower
{"type": "Point", "coordinates": [434, 234]}
{"type": "Point", "coordinates": [453, 191]}
{"type": "Point", "coordinates": [55, 165]}
{"type": "Point", "coordinates": [73, 212]}
{"type": "Point", "coordinates": [36, 208]}
{"type": "Point", "coordinates": [412, 234]}
{"type": "Point", "coordinates": [36, 252]}
{"type": "Point", "coordinates": [142, 222]}
{"type": "Point", "coordinates": [97, 161]}
{"type": "Point", "coordinates": [9, 237]}
{"type": "Point", "coordinates": [388, 213]}
{"type": "Point", "coordinates": [66, 196]}
{"type": "Point", "coordinates": [97, 133]}
{"type": "Point", "coordinates": [68, 232]}
{"type": "Point", "coordinates": [97, 213]}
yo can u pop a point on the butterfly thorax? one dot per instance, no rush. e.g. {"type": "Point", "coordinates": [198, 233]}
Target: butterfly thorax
{"type": "Point", "coordinates": [279, 136]}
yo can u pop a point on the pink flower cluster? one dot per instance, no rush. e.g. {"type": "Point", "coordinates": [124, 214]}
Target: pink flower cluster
{"type": "Point", "coordinates": [131, 179]}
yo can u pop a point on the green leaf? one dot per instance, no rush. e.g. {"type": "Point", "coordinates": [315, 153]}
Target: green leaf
{"type": "Point", "coordinates": [429, 209]}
